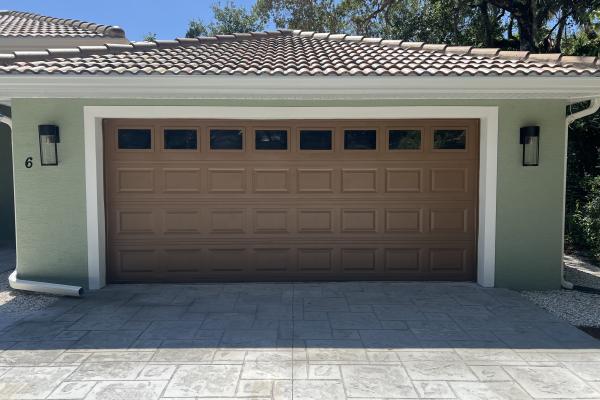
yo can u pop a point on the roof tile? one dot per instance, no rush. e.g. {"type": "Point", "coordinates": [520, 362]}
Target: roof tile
{"type": "Point", "coordinates": [24, 24]}
{"type": "Point", "coordinates": [294, 53]}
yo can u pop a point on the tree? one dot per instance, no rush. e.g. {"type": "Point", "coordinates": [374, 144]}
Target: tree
{"type": "Point", "coordinates": [149, 37]}
{"type": "Point", "coordinates": [311, 15]}
{"type": "Point", "coordinates": [229, 18]}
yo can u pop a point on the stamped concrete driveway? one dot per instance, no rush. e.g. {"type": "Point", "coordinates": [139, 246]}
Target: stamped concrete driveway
{"type": "Point", "coordinates": [365, 340]}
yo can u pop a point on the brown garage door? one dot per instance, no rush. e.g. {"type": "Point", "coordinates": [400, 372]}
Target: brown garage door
{"type": "Point", "coordinates": [202, 200]}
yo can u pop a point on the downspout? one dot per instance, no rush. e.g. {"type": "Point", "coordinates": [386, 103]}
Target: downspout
{"type": "Point", "coordinates": [594, 106]}
{"type": "Point", "coordinates": [35, 286]}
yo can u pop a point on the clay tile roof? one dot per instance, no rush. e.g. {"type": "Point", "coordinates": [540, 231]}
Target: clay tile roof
{"type": "Point", "coordinates": [293, 53]}
{"type": "Point", "coordinates": [24, 24]}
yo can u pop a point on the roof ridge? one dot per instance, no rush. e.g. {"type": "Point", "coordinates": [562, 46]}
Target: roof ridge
{"type": "Point", "coordinates": [113, 31]}
{"type": "Point", "coordinates": [84, 51]}
{"type": "Point", "coordinates": [556, 59]}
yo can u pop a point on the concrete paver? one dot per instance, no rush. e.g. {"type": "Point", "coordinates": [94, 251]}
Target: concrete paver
{"type": "Point", "coordinates": [282, 341]}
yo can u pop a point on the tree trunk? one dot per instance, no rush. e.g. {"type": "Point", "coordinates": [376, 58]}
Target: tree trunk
{"type": "Point", "coordinates": [487, 27]}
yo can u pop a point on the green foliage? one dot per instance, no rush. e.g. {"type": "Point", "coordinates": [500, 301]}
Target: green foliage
{"type": "Point", "coordinates": [149, 37]}
{"type": "Point", "coordinates": [229, 18]}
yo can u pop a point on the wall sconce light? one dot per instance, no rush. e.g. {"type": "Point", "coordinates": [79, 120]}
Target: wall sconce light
{"type": "Point", "coordinates": [49, 137]}
{"type": "Point", "coordinates": [530, 139]}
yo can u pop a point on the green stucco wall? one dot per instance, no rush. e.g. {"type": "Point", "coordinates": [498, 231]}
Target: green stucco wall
{"type": "Point", "coordinates": [50, 201]}
{"type": "Point", "coordinates": [7, 209]}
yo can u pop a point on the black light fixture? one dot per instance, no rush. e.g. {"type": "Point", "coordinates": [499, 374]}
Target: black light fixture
{"type": "Point", "coordinates": [530, 139]}
{"type": "Point", "coordinates": [49, 137]}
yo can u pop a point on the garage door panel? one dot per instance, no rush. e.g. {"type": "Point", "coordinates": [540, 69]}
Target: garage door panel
{"type": "Point", "coordinates": [201, 214]}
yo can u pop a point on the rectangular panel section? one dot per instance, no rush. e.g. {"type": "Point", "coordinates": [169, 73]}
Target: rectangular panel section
{"type": "Point", "coordinates": [401, 139]}
{"type": "Point", "coordinates": [271, 221]}
{"type": "Point", "coordinates": [135, 180]}
{"type": "Point", "coordinates": [271, 139]}
{"type": "Point", "coordinates": [403, 180]}
{"type": "Point", "coordinates": [183, 260]}
{"type": "Point", "coordinates": [137, 260]}
{"type": "Point", "coordinates": [315, 180]}
{"type": "Point", "coordinates": [131, 222]}
{"type": "Point", "coordinates": [448, 220]}
{"type": "Point", "coordinates": [181, 221]}
{"type": "Point", "coordinates": [180, 180]}
{"type": "Point", "coordinates": [227, 180]}
{"type": "Point", "coordinates": [448, 260]}
{"type": "Point", "coordinates": [226, 139]}
{"type": "Point", "coordinates": [227, 221]}
{"type": "Point", "coordinates": [450, 139]}
{"type": "Point", "coordinates": [359, 220]}
{"type": "Point", "coordinates": [402, 260]}
{"type": "Point", "coordinates": [315, 260]}
{"type": "Point", "coordinates": [134, 139]}
{"type": "Point", "coordinates": [448, 179]}
{"type": "Point", "coordinates": [359, 180]}
{"type": "Point", "coordinates": [313, 220]}
{"type": "Point", "coordinates": [359, 260]}
{"type": "Point", "coordinates": [403, 221]}
{"type": "Point", "coordinates": [271, 180]}
{"type": "Point", "coordinates": [272, 259]}
{"type": "Point", "coordinates": [221, 260]}
{"type": "Point", "coordinates": [316, 139]}
{"type": "Point", "coordinates": [360, 139]}
{"type": "Point", "coordinates": [181, 139]}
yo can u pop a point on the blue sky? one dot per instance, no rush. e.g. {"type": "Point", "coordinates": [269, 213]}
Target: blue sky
{"type": "Point", "coordinates": [168, 19]}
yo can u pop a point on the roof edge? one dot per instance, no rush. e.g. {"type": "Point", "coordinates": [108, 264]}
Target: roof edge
{"type": "Point", "coordinates": [112, 31]}
{"type": "Point", "coordinates": [552, 59]}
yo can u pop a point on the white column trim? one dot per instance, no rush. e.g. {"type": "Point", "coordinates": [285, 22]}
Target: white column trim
{"type": "Point", "coordinates": [94, 158]}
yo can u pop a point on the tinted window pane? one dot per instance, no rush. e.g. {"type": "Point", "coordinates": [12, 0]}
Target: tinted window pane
{"type": "Point", "coordinates": [226, 139]}
{"type": "Point", "coordinates": [181, 139]}
{"type": "Point", "coordinates": [315, 140]}
{"type": "Point", "coordinates": [450, 139]}
{"type": "Point", "coordinates": [360, 139]}
{"type": "Point", "coordinates": [271, 139]}
{"type": "Point", "coordinates": [135, 139]}
{"type": "Point", "coordinates": [404, 139]}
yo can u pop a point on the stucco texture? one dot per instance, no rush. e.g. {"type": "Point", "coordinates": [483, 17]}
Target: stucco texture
{"type": "Point", "coordinates": [50, 201]}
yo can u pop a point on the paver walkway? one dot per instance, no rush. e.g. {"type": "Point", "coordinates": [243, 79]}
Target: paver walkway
{"type": "Point", "coordinates": [363, 340]}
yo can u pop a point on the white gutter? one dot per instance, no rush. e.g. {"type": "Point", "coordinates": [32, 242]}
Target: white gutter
{"type": "Point", "coordinates": [33, 286]}
{"type": "Point", "coordinates": [594, 106]}
{"type": "Point", "coordinates": [44, 287]}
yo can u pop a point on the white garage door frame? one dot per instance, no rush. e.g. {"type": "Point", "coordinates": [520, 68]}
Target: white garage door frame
{"type": "Point", "coordinates": [94, 160]}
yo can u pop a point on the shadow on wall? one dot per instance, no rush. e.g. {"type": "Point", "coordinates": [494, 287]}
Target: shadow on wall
{"type": "Point", "coordinates": [7, 209]}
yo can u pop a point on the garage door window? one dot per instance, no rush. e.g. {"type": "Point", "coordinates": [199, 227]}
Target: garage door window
{"type": "Point", "coordinates": [271, 139]}
{"type": "Point", "coordinates": [226, 139]}
{"type": "Point", "coordinates": [402, 139]}
{"type": "Point", "coordinates": [134, 139]}
{"type": "Point", "coordinates": [316, 139]}
{"type": "Point", "coordinates": [449, 139]}
{"type": "Point", "coordinates": [360, 139]}
{"type": "Point", "coordinates": [181, 139]}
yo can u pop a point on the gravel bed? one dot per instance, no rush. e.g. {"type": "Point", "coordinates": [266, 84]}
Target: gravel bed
{"type": "Point", "coordinates": [576, 307]}
{"type": "Point", "coordinates": [21, 302]}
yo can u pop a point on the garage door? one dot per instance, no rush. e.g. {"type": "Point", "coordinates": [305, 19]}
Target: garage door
{"type": "Point", "coordinates": [215, 200]}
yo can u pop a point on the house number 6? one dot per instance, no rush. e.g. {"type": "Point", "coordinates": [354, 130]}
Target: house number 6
{"type": "Point", "coordinates": [29, 162]}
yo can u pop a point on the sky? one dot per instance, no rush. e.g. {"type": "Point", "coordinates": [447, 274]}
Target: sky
{"type": "Point", "coordinates": [168, 19]}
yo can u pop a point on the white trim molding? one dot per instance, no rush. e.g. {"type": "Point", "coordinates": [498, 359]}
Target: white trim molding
{"type": "Point", "coordinates": [294, 87]}
{"type": "Point", "coordinates": [93, 115]}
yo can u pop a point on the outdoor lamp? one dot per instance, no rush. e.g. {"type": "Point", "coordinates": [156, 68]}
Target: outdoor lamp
{"type": "Point", "coordinates": [49, 137]}
{"type": "Point", "coordinates": [530, 139]}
